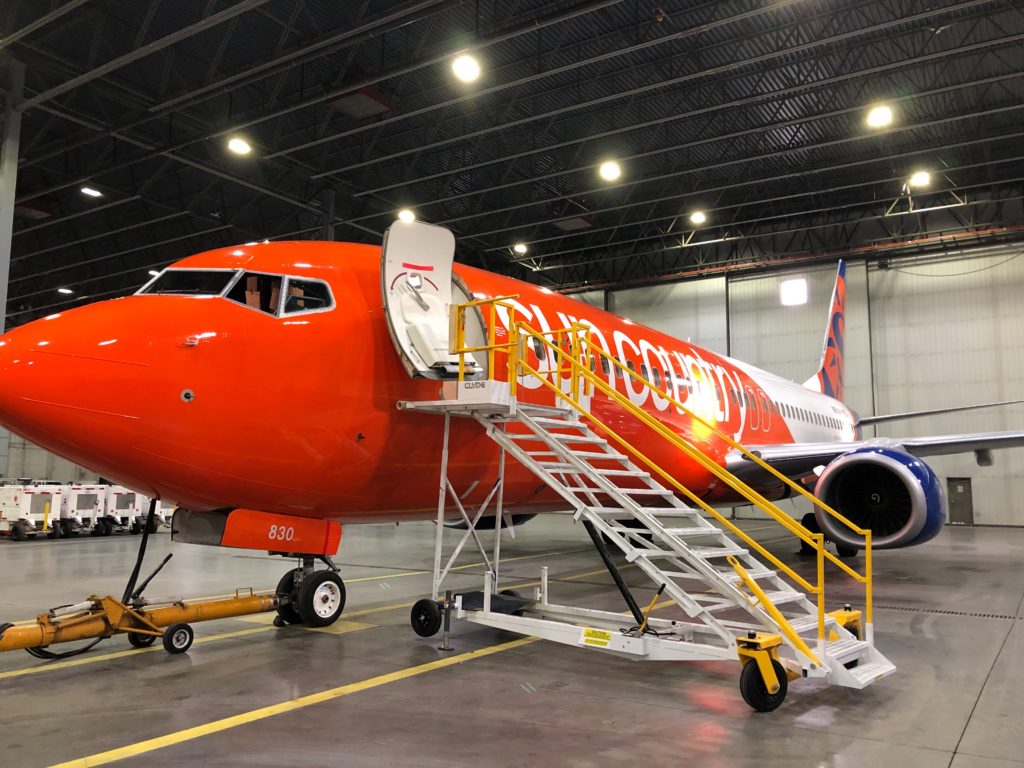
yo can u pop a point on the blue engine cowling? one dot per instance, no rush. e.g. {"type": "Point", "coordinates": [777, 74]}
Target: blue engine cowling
{"type": "Point", "coordinates": [894, 494]}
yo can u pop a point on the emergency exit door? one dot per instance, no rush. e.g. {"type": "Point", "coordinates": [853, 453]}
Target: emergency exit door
{"type": "Point", "coordinates": [961, 501]}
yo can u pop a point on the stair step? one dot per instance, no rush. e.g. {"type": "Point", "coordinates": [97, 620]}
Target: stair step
{"type": "Point", "coordinates": [645, 491]}
{"type": "Point", "coordinates": [866, 674]}
{"type": "Point", "coordinates": [845, 649]}
{"type": "Point", "coordinates": [621, 473]}
{"type": "Point", "coordinates": [613, 456]}
{"type": "Point", "coordinates": [556, 423]}
{"type": "Point", "coordinates": [706, 553]}
{"type": "Point", "coordinates": [694, 531]}
{"type": "Point", "coordinates": [548, 410]}
{"type": "Point", "coordinates": [806, 623]}
{"type": "Point", "coordinates": [592, 439]}
{"type": "Point", "coordinates": [734, 578]}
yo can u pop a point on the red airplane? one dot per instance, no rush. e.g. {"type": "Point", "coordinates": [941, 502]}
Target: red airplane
{"type": "Point", "coordinates": [256, 386]}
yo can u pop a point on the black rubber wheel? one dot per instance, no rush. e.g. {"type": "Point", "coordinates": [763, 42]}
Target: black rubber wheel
{"type": "Point", "coordinates": [846, 552]}
{"type": "Point", "coordinates": [153, 527]}
{"type": "Point", "coordinates": [19, 532]}
{"type": "Point", "coordinates": [108, 526]}
{"type": "Point", "coordinates": [810, 522]}
{"type": "Point", "coordinates": [425, 617]}
{"type": "Point", "coordinates": [67, 530]}
{"type": "Point", "coordinates": [288, 612]}
{"type": "Point", "coordinates": [136, 528]}
{"type": "Point", "coordinates": [321, 598]}
{"type": "Point", "coordinates": [178, 638]}
{"type": "Point", "coordinates": [54, 532]}
{"type": "Point", "coordinates": [754, 690]}
{"type": "Point", "coordinates": [142, 641]}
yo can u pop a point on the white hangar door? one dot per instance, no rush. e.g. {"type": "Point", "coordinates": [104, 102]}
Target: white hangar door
{"type": "Point", "coordinates": [418, 287]}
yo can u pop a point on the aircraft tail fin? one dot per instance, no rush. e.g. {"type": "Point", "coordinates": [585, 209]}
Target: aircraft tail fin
{"type": "Point", "coordinates": [831, 375]}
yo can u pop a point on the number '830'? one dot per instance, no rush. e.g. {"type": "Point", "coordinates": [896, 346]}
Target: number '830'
{"type": "Point", "coordinates": [282, 533]}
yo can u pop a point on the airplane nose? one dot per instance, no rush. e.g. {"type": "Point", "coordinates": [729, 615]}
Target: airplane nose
{"type": "Point", "coordinates": [73, 383]}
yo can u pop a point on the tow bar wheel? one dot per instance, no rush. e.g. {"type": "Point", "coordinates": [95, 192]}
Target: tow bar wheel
{"type": "Point", "coordinates": [754, 690]}
{"type": "Point", "coordinates": [321, 598]}
{"type": "Point", "coordinates": [178, 638]}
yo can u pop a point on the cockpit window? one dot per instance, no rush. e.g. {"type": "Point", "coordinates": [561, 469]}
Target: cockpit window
{"type": "Point", "coordinates": [193, 282]}
{"type": "Point", "coordinates": [258, 291]}
{"type": "Point", "coordinates": [306, 296]}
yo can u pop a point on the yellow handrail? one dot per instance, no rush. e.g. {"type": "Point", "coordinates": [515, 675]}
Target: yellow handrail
{"type": "Point", "coordinates": [580, 346]}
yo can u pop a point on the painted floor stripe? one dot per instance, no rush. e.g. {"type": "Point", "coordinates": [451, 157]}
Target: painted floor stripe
{"type": "Point", "coordinates": [284, 707]}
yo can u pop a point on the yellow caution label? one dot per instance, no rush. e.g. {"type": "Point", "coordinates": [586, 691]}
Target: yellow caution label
{"type": "Point", "coordinates": [599, 638]}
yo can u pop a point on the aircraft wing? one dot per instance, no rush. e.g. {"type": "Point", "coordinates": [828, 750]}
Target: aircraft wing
{"type": "Point", "coordinates": [797, 460]}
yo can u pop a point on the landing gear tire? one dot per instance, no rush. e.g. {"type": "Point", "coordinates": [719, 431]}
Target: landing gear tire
{"type": "Point", "coordinates": [810, 522]}
{"type": "Point", "coordinates": [287, 612]}
{"type": "Point", "coordinates": [178, 638]}
{"type": "Point", "coordinates": [425, 617]}
{"type": "Point", "coordinates": [142, 641]}
{"type": "Point", "coordinates": [754, 690]}
{"type": "Point", "coordinates": [846, 552]}
{"type": "Point", "coordinates": [18, 532]}
{"type": "Point", "coordinates": [321, 598]}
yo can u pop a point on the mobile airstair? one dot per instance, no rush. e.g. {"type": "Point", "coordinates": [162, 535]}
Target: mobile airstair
{"type": "Point", "coordinates": [735, 604]}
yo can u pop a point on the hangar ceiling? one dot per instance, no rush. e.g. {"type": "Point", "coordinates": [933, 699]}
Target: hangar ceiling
{"type": "Point", "coordinates": [750, 112]}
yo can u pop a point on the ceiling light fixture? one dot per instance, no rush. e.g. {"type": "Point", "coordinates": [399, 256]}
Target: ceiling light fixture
{"type": "Point", "coordinates": [609, 170]}
{"type": "Point", "coordinates": [406, 216]}
{"type": "Point", "coordinates": [91, 192]}
{"type": "Point", "coordinates": [920, 179]}
{"type": "Point", "coordinates": [239, 146]}
{"type": "Point", "coordinates": [466, 68]}
{"type": "Point", "coordinates": [698, 217]}
{"type": "Point", "coordinates": [65, 291]}
{"type": "Point", "coordinates": [154, 273]}
{"type": "Point", "coordinates": [879, 116]}
{"type": "Point", "coordinates": [520, 248]}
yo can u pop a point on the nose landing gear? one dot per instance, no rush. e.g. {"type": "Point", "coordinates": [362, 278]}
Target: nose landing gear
{"type": "Point", "coordinates": [313, 598]}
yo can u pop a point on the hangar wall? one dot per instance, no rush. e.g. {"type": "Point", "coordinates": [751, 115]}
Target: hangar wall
{"type": "Point", "coordinates": [920, 334]}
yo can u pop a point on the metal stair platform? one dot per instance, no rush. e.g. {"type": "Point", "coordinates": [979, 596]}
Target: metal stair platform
{"type": "Point", "coordinates": [671, 542]}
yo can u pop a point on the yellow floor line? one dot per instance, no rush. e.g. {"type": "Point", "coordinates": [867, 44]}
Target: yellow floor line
{"type": "Point", "coordinates": [284, 707]}
{"type": "Point", "coordinates": [77, 662]}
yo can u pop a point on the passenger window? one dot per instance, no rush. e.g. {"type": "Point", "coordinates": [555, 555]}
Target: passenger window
{"type": "Point", "coordinates": [262, 292]}
{"type": "Point", "coordinates": [644, 374]}
{"type": "Point", "coordinates": [657, 377]}
{"type": "Point", "coordinates": [307, 296]}
{"type": "Point", "coordinates": [605, 365]}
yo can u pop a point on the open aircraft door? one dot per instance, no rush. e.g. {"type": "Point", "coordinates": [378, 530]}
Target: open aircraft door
{"type": "Point", "coordinates": [419, 289]}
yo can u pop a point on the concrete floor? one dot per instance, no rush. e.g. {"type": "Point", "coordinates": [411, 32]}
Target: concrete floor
{"type": "Point", "coordinates": [949, 615]}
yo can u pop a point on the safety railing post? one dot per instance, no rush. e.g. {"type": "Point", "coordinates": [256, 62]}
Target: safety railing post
{"type": "Point", "coordinates": [869, 627]}
{"type": "Point", "coordinates": [819, 545]}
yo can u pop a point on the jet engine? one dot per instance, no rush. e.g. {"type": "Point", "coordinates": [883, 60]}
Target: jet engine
{"type": "Point", "coordinates": [896, 495]}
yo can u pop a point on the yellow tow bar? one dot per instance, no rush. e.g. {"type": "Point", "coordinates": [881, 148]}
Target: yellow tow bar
{"type": "Point", "coordinates": [101, 617]}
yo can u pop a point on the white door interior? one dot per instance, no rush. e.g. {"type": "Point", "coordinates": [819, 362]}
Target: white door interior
{"type": "Point", "coordinates": [416, 283]}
